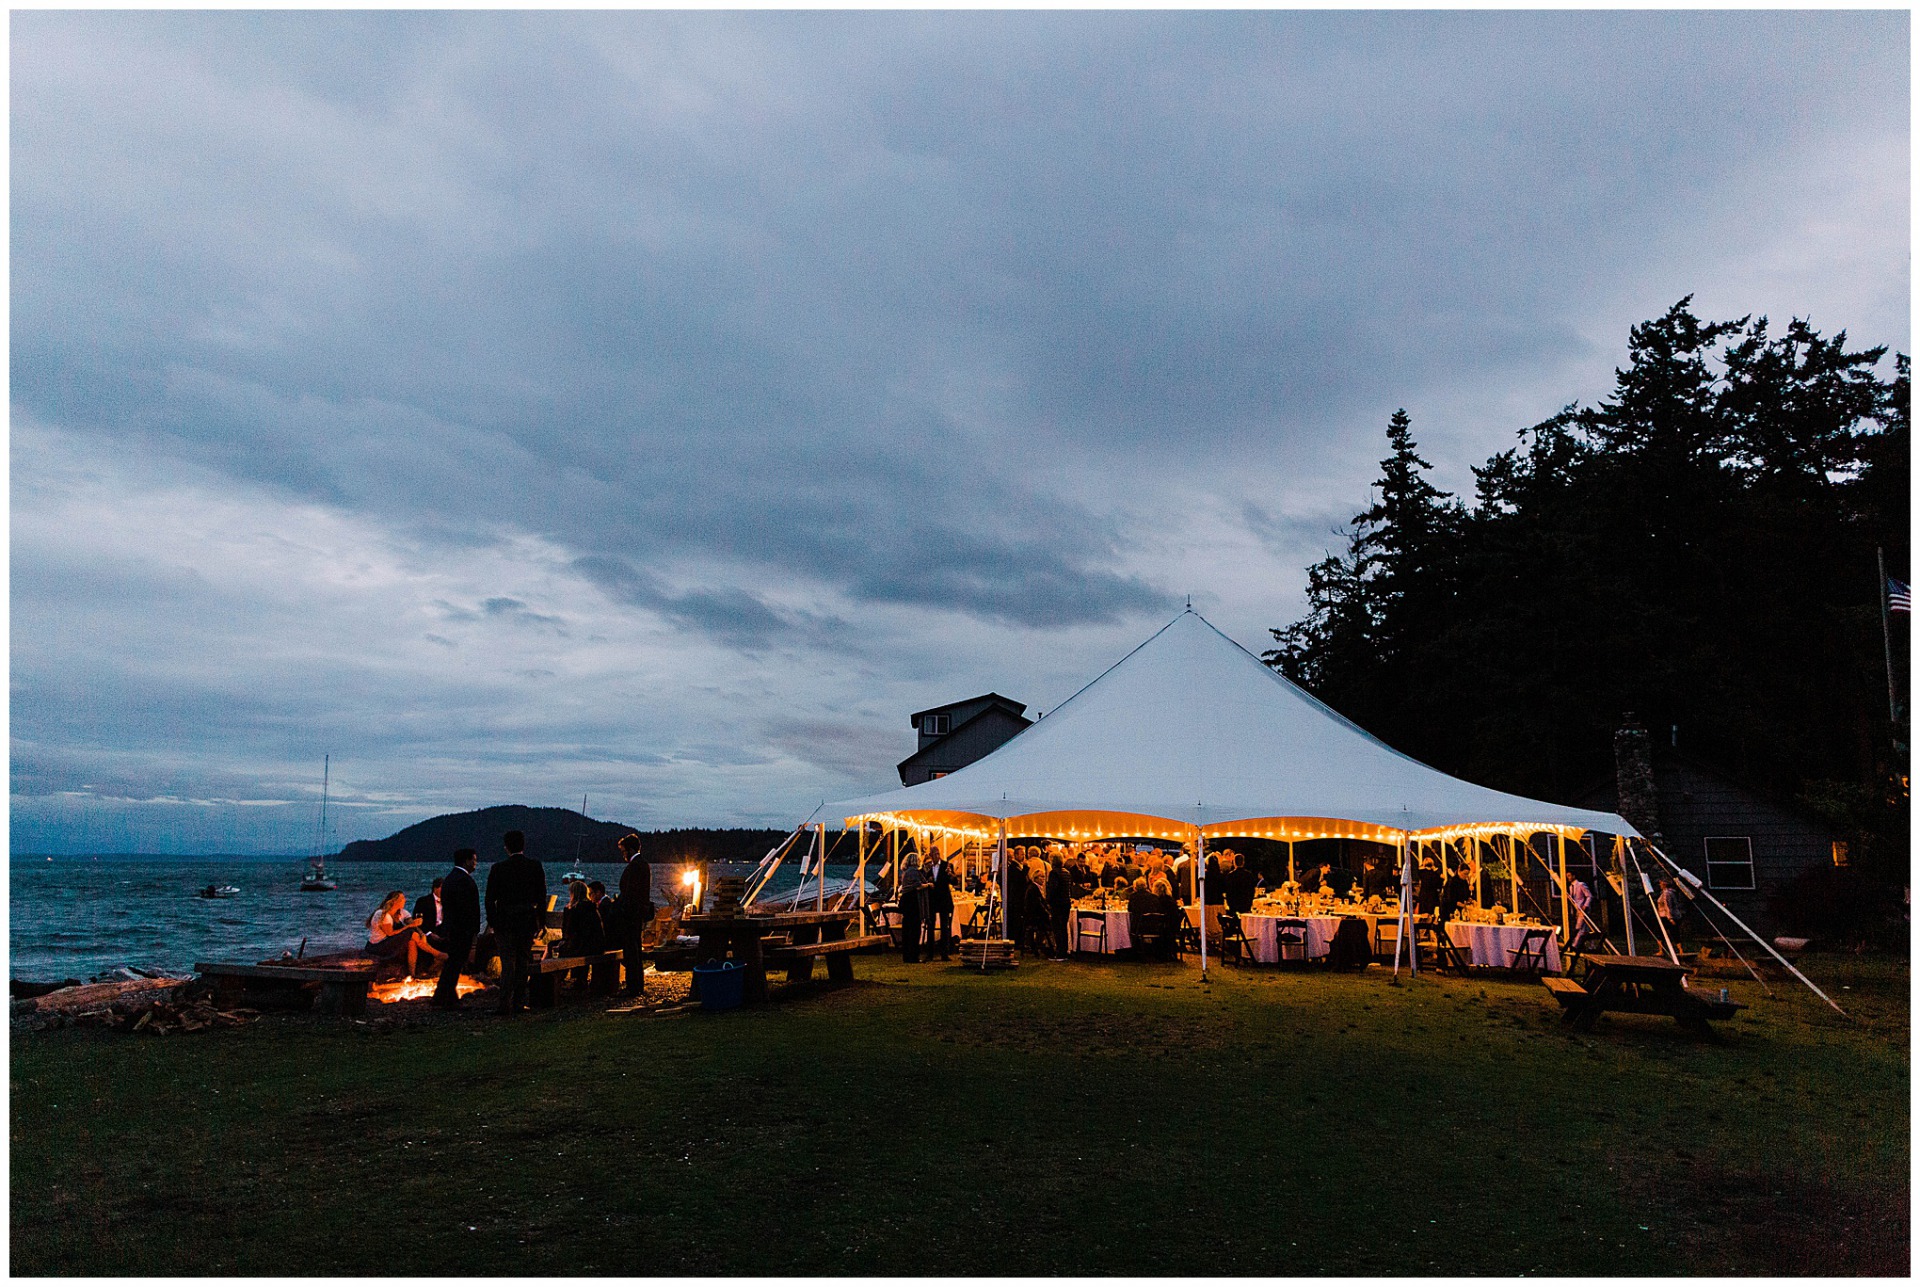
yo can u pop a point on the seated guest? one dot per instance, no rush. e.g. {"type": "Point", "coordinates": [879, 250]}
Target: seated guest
{"type": "Point", "coordinates": [582, 933]}
{"type": "Point", "coordinates": [1237, 883]}
{"type": "Point", "coordinates": [392, 936]}
{"type": "Point", "coordinates": [428, 912]}
{"type": "Point", "coordinates": [1153, 935]}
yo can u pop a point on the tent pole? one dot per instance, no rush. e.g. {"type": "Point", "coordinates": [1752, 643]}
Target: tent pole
{"type": "Point", "coordinates": [1000, 862]}
{"type": "Point", "coordinates": [1566, 919]}
{"type": "Point", "coordinates": [820, 875]}
{"type": "Point", "coordinates": [1700, 888]}
{"type": "Point", "coordinates": [1405, 924]}
{"type": "Point", "coordinates": [1293, 876]}
{"type": "Point", "coordinates": [1200, 875]}
{"type": "Point", "coordinates": [1626, 889]}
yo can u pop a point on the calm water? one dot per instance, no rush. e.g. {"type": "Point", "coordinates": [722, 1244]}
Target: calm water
{"type": "Point", "coordinates": [74, 917]}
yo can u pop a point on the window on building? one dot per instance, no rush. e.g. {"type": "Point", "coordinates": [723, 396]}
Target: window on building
{"type": "Point", "coordinates": [936, 725]}
{"type": "Point", "coordinates": [1729, 862]}
{"type": "Point", "coordinates": [936, 773]}
{"type": "Point", "coordinates": [1840, 853]}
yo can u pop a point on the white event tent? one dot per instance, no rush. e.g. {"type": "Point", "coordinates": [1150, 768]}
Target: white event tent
{"type": "Point", "coordinates": [1190, 736]}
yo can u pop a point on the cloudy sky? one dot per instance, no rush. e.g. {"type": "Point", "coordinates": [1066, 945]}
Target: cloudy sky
{"type": "Point", "coordinates": [663, 406]}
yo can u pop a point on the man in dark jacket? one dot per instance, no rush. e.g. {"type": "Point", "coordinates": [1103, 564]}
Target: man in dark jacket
{"type": "Point", "coordinates": [516, 904]}
{"type": "Point", "coordinates": [940, 887]}
{"type": "Point", "coordinates": [1238, 881]}
{"type": "Point", "coordinates": [636, 911]}
{"type": "Point", "coordinates": [459, 925]}
{"type": "Point", "coordinates": [427, 908]}
{"type": "Point", "coordinates": [1455, 892]}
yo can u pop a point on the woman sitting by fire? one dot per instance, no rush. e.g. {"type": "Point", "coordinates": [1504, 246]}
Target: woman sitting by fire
{"type": "Point", "coordinates": [392, 935]}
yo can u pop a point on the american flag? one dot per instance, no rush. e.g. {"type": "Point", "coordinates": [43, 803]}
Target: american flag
{"type": "Point", "coordinates": [1899, 596]}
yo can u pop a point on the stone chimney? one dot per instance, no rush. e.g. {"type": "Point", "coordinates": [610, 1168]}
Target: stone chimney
{"type": "Point", "coordinates": [1633, 774]}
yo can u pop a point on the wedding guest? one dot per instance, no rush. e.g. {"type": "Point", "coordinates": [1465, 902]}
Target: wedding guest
{"type": "Point", "coordinates": [394, 936]}
{"type": "Point", "coordinates": [459, 925]}
{"type": "Point", "coordinates": [516, 899]}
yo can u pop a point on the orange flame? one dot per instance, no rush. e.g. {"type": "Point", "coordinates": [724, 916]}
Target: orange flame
{"type": "Point", "coordinates": [415, 989]}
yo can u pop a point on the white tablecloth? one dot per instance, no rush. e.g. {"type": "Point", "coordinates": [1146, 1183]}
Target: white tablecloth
{"type": "Point", "coordinates": [1119, 931]}
{"type": "Point", "coordinates": [963, 905]}
{"type": "Point", "coordinates": [1494, 945]}
{"type": "Point", "coordinates": [1262, 932]}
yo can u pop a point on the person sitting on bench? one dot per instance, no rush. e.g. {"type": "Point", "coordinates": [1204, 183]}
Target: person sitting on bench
{"type": "Point", "coordinates": [393, 936]}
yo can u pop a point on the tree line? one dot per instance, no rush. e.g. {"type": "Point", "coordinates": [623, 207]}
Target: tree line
{"type": "Point", "coordinates": [1698, 549]}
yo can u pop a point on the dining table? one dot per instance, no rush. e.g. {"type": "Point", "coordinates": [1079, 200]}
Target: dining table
{"type": "Point", "coordinates": [1494, 946]}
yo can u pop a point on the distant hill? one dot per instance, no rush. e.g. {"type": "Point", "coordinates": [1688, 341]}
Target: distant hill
{"type": "Point", "coordinates": [556, 836]}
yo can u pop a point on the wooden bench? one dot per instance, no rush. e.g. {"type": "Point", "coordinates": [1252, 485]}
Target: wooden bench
{"type": "Point", "coordinates": [603, 975]}
{"type": "Point", "coordinates": [1565, 991]}
{"type": "Point", "coordinates": [799, 957]}
{"type": "Point", "coordinates": [342, 989]}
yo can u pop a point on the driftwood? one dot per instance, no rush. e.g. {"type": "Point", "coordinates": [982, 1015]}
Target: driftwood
{"type": "Point", "coordinates": [156, 1007]}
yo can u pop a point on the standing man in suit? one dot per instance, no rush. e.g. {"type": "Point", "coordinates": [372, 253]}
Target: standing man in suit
{"type": "Point", "coordinates": [459, 925]}
{"type": "Point", "coordinates": [636, 911]}
{"type": "Point", "coordinates": [516, 901]}
{"type": "Point", "coordinates": [940, 885]}
{"type": "Point", "coordinates": [1455, 892]}
{"type": "Point", "coordinates": [1238, 881]}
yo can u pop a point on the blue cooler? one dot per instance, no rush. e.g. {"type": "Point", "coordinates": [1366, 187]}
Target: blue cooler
{"type": "Point", "coordinates": [719, 984]}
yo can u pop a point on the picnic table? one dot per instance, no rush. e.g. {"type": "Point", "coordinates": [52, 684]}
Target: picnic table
{"type": "Point", "coordinates": [1636, 985]}
{"type": "Point", "coordinates": [792, 938]}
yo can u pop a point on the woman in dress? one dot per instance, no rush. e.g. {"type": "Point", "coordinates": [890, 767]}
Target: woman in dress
{"type": "Point", "coordinates": [392, 935]}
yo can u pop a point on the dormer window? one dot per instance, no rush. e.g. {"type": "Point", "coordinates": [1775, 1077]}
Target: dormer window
{"type": "Point", "coordinates": [936, 725]}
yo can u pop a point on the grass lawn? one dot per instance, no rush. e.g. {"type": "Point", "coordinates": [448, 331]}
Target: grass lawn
{"type": "Point", "coordinates": [1060, 1119]}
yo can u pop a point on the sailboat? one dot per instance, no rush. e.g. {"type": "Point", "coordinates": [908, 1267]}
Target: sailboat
{"type": "Point", "coordinates": [317, 881]}
{"type": "Point", "coordinates": [579, 846]}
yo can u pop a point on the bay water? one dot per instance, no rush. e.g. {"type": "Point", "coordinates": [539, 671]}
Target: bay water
{"type": "Point", "coordinates": [78, 916]}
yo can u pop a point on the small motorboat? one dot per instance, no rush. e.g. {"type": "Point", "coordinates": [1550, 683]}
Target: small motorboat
{"type": "Point", "coordinates": [220, 891]}
{"type": "Point", "coordinates": [575, 874]}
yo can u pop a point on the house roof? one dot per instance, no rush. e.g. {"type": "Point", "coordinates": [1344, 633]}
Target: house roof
{"type": "Point", "coordinates": [931, 749]}
{"type": "Point", "coordinates": [1016, 708]}
{"type": "Point", "coordinates": [1190, 729]}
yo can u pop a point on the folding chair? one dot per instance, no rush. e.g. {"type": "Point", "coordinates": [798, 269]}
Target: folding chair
{"type": "Point", "coordinates": [1186, 935]}
{"type": "Point", "coordinates": [1234, 947]}
{"type": "Point", "coordinates": [1290, 935]}
{"type": "Point", "coordinates": [1530, 953]}
{"type": "Point", "coordinates": [1436, 947]}
{"type": "Point", "coordinates": [1386, 937]}
{"type": "Point", "coordinates": [1089, 925]}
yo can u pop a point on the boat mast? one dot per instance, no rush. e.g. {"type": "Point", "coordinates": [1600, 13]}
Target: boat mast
{"type": "Point", "coordinates": [320, 848]}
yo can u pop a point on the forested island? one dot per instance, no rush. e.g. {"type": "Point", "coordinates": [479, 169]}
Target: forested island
{"type": "Point", "coordinates": [557, 836]}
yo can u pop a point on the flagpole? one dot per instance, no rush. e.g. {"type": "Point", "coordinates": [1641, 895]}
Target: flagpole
{"type": "Point", "coordinates": [1886, 639]}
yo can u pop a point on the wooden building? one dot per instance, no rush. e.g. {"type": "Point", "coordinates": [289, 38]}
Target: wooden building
{"type": "Point", "coordinates": [1744, 844]}
{"type": "Point", "coordinates": [955, 735]}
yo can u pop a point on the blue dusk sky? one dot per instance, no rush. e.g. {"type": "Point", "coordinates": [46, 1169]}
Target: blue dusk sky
{"type": "Point", "coordinates": [662, 406]}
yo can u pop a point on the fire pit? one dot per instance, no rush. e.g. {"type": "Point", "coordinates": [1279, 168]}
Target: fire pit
{"type": "Point", "coordinates": [416, 989]}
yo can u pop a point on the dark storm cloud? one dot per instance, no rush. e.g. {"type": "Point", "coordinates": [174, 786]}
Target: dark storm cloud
{"type": "Point", "coordinates": [761, 323]}
{"type": "Point", "coordinates": [711, 299]}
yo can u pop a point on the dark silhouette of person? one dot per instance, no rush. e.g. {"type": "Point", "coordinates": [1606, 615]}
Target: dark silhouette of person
{"type": "Point", "coordinates": [1216, 890]}
{"type": "Point", "coordinates": [516, 902]}
{"type": "Point", "coordinates": [459, 925]}
{"type": "Point", "coordinates": [636, 911]}
{"type": "Point", "coordinates": [1377, 881]}
{"type": "Point", "coordinates": [427, 908]}
{"type": "Point", "coordinates": [1426, 887]}
{"type": "Point", "coordinates": [913, 908]}
{"type": "Point", "coordinates": [1059, 904]}
{"type": "Point", "coordinates": [1237, 884]}
{"type": "Point", "coordinates": [940, 908]}
{"type": "Point", "coordinates": [1455, 892]}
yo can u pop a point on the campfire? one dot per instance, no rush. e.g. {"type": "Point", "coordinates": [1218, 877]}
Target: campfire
{"type": "Point", "coordinates": [416, 989]}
